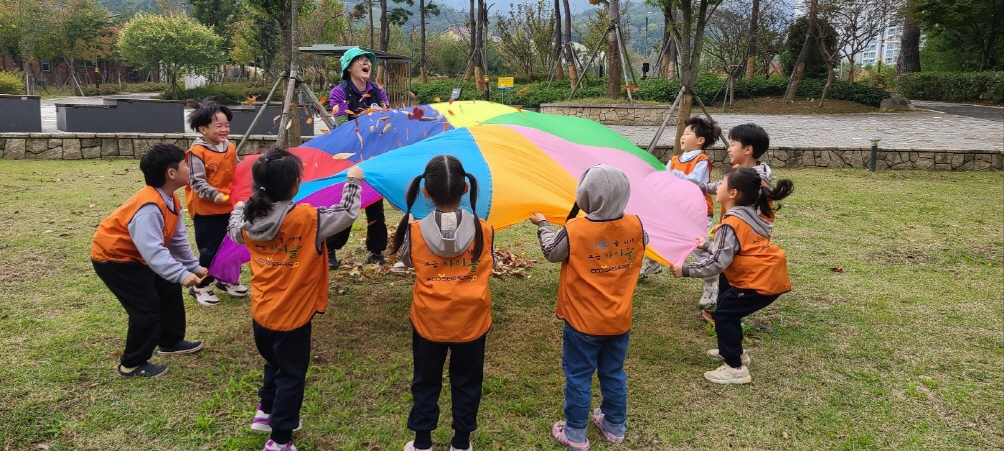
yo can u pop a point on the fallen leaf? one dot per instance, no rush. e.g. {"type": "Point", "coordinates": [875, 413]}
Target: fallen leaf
{"type": "Point", "coordinates": [91, 206]}
{"type": "Point", "coordinates": [412, 95]}
{"type": "Point", "coordinates": [520, 110]}
{"type": "Point", "coordinates": [251, 100]}
{"type": "Point", "coordinates": [289, 124]}
{"type": "Point", "coordinates": [360, 138]}
{"type": "Point", "coordinates": [365, 95]}
{"type": "Point", "coordinates": [837, 269]}
{"type": "Point", "coordinates": [372, 128]}
{"type": "Point", "coordinates": [310, 120]}
{"type": "Point", "coordinates": [451, 102]}
{"type": "Point", "coordinates": [451, 112]}
{"type": "Point", "coordinates": [342, 156]}
{"type": "Point", "coordinates": [523, 91]}
{"type": "Point", "coordinates": [399, 144]}
{"type": "Point", "coordinates": [436, 99]}
{"type": "Point", "coordinates": [784, 434]}
{"type": "Point", "coordinates": [115, 353]}
{"type": "Point", "coordinates": [323, 100]}
{"type": "Point", "coordinates": [630, 87]}
{"type": "Point", "coordinates": [385, 128]}
{"type": "Point", "coordinates": [325, 131]}
{"type": "Point", "coordinates": [385, 118]}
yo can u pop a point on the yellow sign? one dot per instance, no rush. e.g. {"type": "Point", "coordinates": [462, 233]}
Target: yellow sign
{"type": "Point", "coordinates": [505, 82]}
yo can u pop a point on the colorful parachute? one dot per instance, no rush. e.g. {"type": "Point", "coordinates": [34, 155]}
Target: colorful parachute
{"type": "Point", "coordinates": [524, 163]}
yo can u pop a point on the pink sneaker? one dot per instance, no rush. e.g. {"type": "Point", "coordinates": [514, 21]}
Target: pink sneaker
{"type": "Point", "coordinates": [598, 421]}
{"type": "Point", "coordinates": [558, 432]}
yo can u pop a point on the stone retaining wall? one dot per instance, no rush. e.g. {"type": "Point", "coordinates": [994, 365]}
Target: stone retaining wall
{"type": "Point", "coordinates": [610, 114]}
{"type": "Point", "coordinates": [924, 159]}
{"type": "Point", "coordinates": [78, 146]}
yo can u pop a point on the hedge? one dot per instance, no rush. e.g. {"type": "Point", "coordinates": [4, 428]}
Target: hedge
{"type": "Point", "coordinates": [953, 86]}
{"type": "Point", "coordinates": [11, 82]}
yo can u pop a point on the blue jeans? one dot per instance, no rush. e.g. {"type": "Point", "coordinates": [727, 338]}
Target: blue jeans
{"type": "Point", "coordinates": [581, 356]}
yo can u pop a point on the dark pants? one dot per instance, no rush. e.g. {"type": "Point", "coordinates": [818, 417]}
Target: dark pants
{"type": "Point", "coordinates": [376, 231]}
{"type": "Point", "coordinates": [733, 305]}
{"type": "Point", "coordinates": [287, 356]}
{"type": "Point", "coordinates": [467, 367]}
{"type": "Point", "coordinates": [155, 307]}
{"type": "Point", "coordinates": [210, 230]}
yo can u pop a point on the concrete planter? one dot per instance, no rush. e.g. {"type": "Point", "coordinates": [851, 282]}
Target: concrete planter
{"type": "Point", "coordinates": [20, 114]}
{"type": "Point", "coordinates": [267, 125]}
{"type": "Point", "coordinates": [122, 115]}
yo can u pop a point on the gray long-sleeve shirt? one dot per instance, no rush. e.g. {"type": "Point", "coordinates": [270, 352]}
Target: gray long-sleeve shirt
{"type": "Point", "coordinates": [725, 246]}
{"type": "Point", "coordinates": [330, 220]}
{"type": "Point", "coordinates": [173, 262]}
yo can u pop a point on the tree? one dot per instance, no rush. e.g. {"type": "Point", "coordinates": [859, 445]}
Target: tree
{"type": "Point", "coordinates": [79, 23]}
{"type": "Point", "coordinates": [559, 72]}
{"type": "Point", "coordinates": [909, 52]}
{"type": "Point", "coordinates": [279, 12]}
{"type": "Point", "coordinates": [688, 28]}
{"type": "Point", "coordinates": [751, 51]}
{"type": "Point", "coordinates": [860, 21]}
{"type": "Point", "coordinates": [614, 70]}
{"type": "Point", "coordinates": [174, 44]}
{"type": "Point", "coordinates": [516, 40]}
{"type": "Point", "coordinates": [424, 9]}
{"type": "Point", "coordinates": [21, 24]}
{"type": "Point", "coordinates": [219, 15]}
{"type": "Point", "coordinates": [970, 26]}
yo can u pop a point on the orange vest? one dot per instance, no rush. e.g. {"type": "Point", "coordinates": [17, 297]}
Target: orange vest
{"type": "Point", "coordinates": [289, 276]}
{"type": "Point", "coordinates": [112, 241]}
{"type": "Point", "coordinates": [451, 302]}
{"type": "Point", "coordinates": [760, 264]}
{"type": "Point", "coordinates": [596, 284]}
{"type": "Point", "coordinates": [688, 167]}
{"type": "Point", "coordinates": [220, 169]}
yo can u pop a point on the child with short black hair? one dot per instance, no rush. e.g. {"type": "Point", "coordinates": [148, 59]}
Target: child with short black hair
{"type": "Point", "coordinates": [213, 162]}
{"type": "Point", "coordinates": [600, 256]}
{"type": "Point", "coordinates": [141, 252]}
{"type": "Point", "coordinates": [353, 95]}
{"type": "Point", "coordinates": [452, 253]}
{"type": "Point", "coordinates": [754, 270]}
{"type": "Point", "coordinates": [289, 281]}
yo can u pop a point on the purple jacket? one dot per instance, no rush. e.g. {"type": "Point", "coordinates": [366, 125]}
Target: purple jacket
{"type": "Point", "coordinates": [340, 100]}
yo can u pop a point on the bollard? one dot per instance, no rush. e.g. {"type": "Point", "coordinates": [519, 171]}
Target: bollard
{"type": "Point", "coordinates": [871, 162]}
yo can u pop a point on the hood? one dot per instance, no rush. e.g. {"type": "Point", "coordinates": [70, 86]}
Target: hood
{"type": "Point", "coordinates": [765, 174]}
{"type": "Point", "coordinates": [749, 215]}
{"type": "Point", "coordinates": [350, 55]}
{"type": "Point", "coordinates": [603, 192]}
{"type": "Point", "coordinates": [202, 142]}
{"type": "Point", "coordinates": [448, 234]}
{"type": "Point", "coordinates": [264, 229]}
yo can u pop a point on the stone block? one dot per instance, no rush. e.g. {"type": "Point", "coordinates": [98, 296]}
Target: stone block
{"type": "Point", "coordinates": [924, 163]}
{"type": "Point", "coordinates": [983, 162]}
{"type": "Point", "coordinates": [781, 155]}
{"type": "Point", "coordinates": [89, 142]}
{"type": "Point", "coordinates": [835, 160]}
{"type": "Point", "coordinates": [822, 158]}
{"type": "Point", "coordinates": [90, 153]}
{"type": "Point", "coordinates": [943, 158]}
{"type": "Point", "coordinates": [109, 147]}
{"type": "Point", "coordinates": [943, 166]}
{"type": "Point", "coordinates": [997, 161]}
{"type": "Point", "coordinates": [36, 146]}
{"type": "Point", "coordinates": [856, 159]}
{"type": "Point", "coordinates": [125, 148]}
{"type": "Point", "coordinates": [895, 104]}
{"type": "Point", "coordinates": [71, 149]}
{"type": "Point", "coordinates": [53, 143]}
{"type": "Point", "coordinates": [808, 159]}
{"type": "Point", "coordinates": [957, 160]}
{"type": "Point", "coordinates": [967, 166]}
{"type": "Point", "coordinates": [104, 135]}
{"type": "Point", "coordinates": [904, 163]}
{"type": "Point", "coordinates": [14, 150]}
{"type": "Point", "coordinates": [892, 158]}
{"type": "Point", "coordinates": [914, 156]}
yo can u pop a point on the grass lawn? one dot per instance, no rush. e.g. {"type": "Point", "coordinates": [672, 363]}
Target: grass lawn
{"type": "Point", "coordinates": [898, 347]}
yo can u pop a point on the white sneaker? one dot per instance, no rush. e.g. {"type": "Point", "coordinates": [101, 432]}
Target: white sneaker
{"type": "Point", "coordinates": [260, 422]}
{"type": "Point", "coordinates": [469, 448]}
{"type": "Point", "coordinates": [410, 446]}
{"type": "Point", "coordinates": [649, 268]}
{"type": "Point", "coordinates": [744, 358]}
{"type": "Point", "coordinates": [727, 375]}
{"type": "Point", "coordinates": [204, 296]}
{"type": "Point", "coordinates": [709, 297]}
{"type": "Point", "coordinates": [399, 267]}
{"type": "Point", "coordinates": [233, 290]}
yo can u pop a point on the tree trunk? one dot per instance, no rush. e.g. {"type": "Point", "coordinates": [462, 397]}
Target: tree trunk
{"type": "Point", "coordinates": [473, 42]}
{"type": "Point", "coordinates": [421, 29]}
{"type": "Point", "coordinates": [803, 55]}
{"type": "Point", "coordinates": [751, 51]}
{"type": "Point", "coordinates": [684, 113]}
{"type": "Point", "coordinates": [850, 72]}
{"type": "Point", "coordinates": [909, 53]}
{"type": "Point", "coordinates": [369, 5]}
{"type": "Point", "coordinates": [559, 72]}
{"type": "Point", "coordinates": [384, 27]}
{"type": "Point", "coordinates": [613, 51]}
{"type": "Point", "coordinates": [829, 81]}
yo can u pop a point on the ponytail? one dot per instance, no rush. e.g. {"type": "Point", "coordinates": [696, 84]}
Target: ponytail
{"type": "Point", "coordinates": [258, 206]}
{"type": "Point", "coordinates": [574, 212]}
{"type": "Point", "coordinates": [276, 174]}
{"type": "Point", "coordinates": [783, 189]}
{"type": "Point", "coordinates": [402, 228]}
{"type": "Point", "coordinates": [479, 235]}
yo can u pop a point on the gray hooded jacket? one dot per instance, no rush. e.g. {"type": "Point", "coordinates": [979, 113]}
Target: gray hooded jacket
{"type": "Point", "coordinates": [447, 235]}
{"type": "Point", "coordinates": [329, 220]}
{"type": "Point", "coordinates": [603, 193]}
{"type": "Point", "coordinates": [725, 246]}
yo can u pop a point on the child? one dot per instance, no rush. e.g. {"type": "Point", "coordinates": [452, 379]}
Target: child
{"type": "Point", "coordinates": [213, 161]}
{"type": "Point", "coordinates": [141, 252]}
{"type": "Point", "coordinates": [354, 94]}
{"type": "Point", "coordinates": [755, 269]}
{"type": "Point", "coordinates": [289, 281]}
{"type": "Point", "coordinates": [451, 251]}
{"type": "Point", "coordinates": [600, 256]}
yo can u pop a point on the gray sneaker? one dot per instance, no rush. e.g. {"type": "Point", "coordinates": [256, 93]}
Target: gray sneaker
{"type": "Point", "coordinates": [649, 268]}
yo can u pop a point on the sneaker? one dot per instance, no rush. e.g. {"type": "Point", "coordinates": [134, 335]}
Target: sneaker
{"type": "Point", "coordinates": [707, 316]}
{"type": "Point", "coordinates": [649, 268]}
{"type": "Point", "coordinates": [558, 432]}
{"type": "Point", "coordinates": [233, 290]}
{"type": "Point", "coordinates": [145, 370]}
{"type": "Point", "coordinates": [598, 421]}
{"type": "Point", "coordinates": [727, 375]}
{"type": "Point", "coordinates": [709, 297]}
{"type": "Point", "coordinates": [204, 296]}
{"type": "Point", "coordinates": [376, 259]}
{"type": "Point", "coordinates": [181, 347]}
{"type": "Point", "coordinates": [260, 422]}
{"type": "Point", "coordinates": [399, 268]}
{"type": "Point", "coordinates": [469, 448]}
{"type": "Point", "coordinates": [744, 358]}
{"type": "Point", "coordinates": [410, 446]}
{"type": "Point", "coordinates": [273, 446]}
{"type": "Point", "coordinates": [332, 259]}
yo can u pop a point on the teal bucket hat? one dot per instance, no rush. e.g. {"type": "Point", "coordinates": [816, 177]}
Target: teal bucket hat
{"type": "Point", "coordinates": [350, 55]}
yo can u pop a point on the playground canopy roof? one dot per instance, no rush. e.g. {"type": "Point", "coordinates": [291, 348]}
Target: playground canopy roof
{"type": "Point", "coordinates": [337, 51]}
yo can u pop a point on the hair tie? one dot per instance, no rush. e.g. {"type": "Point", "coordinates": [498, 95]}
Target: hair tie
{"type": "Point", "coordinates": [262, 188]}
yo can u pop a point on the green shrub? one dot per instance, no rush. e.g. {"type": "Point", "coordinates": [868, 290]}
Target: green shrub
{"type": "Point", "coordinates": [144, 87]}
{"type": "Point", "coordinates": [953, 86]}
{"type": "Point", "coordinates": [841, 90]}
{"type": "Point", "coordinates": [11, 82]}
{"type": "Point", "coordinates": [105, 90]}
{"type": "Point", "coordinates": [226, 94]}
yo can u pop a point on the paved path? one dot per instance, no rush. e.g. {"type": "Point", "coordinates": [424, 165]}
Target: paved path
{"type": "Point", "coordinates": [993, 113]}
{"type": "Point", "coordinates": [917, 130]}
